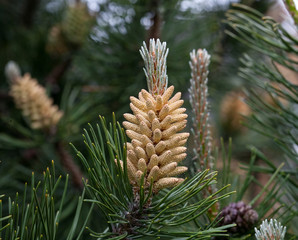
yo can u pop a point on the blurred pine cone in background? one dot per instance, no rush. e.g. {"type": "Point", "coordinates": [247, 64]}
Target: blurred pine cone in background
{"type": "Point", "coordinates": [32, 99]}
{"type": "Point", "coordinates": [56, 45]}
{"type": "Point", "coordinates": [232, 111]}
{"type": "Point", "coordinates": [241, 214]}
{"type": "Point", "coordinates": [77, 24]}
{"type": "Point", "coordinates": [72, 32]}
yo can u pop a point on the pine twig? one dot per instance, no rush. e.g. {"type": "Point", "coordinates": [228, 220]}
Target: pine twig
{"type": "Point", "coordinates": [58, 71]}
{"type": "Point", "coordinates": [68, 162]}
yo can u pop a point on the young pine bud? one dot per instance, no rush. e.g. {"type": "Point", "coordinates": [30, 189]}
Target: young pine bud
{"type": "Point", "coordinates": [272, 230]}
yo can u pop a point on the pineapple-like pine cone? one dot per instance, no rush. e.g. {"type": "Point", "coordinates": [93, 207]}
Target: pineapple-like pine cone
{"type": "Point", "coordinates": [156, 147]}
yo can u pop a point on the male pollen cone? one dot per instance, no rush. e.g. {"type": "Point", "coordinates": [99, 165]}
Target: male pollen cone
{"type": "Point", "coordinates": [156, 147]}
{"type": "Point", "coordinates": [32, 99]}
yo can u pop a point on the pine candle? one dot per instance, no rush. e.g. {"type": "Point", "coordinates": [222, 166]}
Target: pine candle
{"type": "Point", "coordinates": [156, 147]}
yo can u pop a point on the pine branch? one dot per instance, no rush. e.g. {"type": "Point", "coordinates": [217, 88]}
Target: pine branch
{"type": "Point", "coordinates": [36, 213]}
{"type": "Point", "coordinates": [125, 179]}
{"type": "Point", "coordinates": [268, 202]}
{"type": "Point", "coordinates": [109, 188]}
{"type": "Point", "coordinates": [272, 95]}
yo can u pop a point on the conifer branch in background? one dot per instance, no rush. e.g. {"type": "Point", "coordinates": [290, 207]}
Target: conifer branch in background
{"type": "Point", "coordinates": [272, 94]}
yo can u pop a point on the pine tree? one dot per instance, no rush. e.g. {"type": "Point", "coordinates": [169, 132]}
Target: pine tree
{"type": "Point", "coordinates": [153, 185]}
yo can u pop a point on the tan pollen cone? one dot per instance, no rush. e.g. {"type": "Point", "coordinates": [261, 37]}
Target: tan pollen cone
{"type": "Point", "coordinates": [32, 99]}
{"type": "Point", "coordinates": [156, 147]}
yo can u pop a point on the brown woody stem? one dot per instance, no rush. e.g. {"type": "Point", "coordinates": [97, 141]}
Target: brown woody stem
{"type": "Point", "coordinates": [58, 71]}
{"type": "Point", "coordinates": [155, 30]}
{"type": "Point", "coordinates": [68, 163]}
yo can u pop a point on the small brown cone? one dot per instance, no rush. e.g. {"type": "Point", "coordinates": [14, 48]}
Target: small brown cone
{"type": "Point", "coordinates": [32, 99]}
{"type": "Point", "coordinates": [155, 141]}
